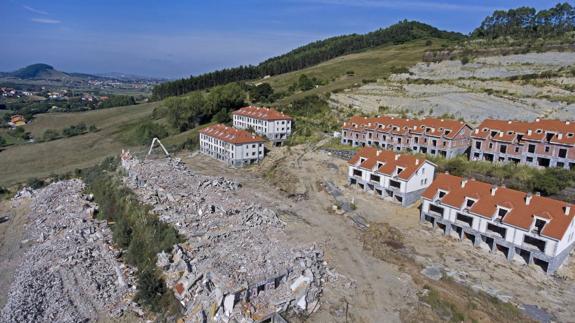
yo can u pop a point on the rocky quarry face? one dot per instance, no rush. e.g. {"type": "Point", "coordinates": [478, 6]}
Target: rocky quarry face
{"type": "Point", "coordinates": [236, 262]}
{"type": "Point", "coordinates": [70, 271]}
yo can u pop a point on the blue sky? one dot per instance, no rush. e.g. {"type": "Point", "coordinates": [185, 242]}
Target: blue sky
{"type": "Point", "coordinates": [176, 38]}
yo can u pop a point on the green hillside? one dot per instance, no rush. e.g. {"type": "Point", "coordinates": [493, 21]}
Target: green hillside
{"type": "Point", "coordinates": [308, 55]}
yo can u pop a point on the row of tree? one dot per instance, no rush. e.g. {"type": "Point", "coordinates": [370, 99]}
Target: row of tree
{"type": "Point", "coordinates": [305, 56]}
{"type": "Point", "coordinates": [528, 22]}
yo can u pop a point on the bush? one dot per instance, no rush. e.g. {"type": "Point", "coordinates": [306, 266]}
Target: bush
{"type": "Point", "coordinates": [136, 230]}
{"type": "Point", "coordinates": [35, 183]}
{"type": "Point", "coordinates": [2, 142]}
{"type": "Point", "coordinates": [50, 134]}
{"type": "Point", "coordinates": [464, 60]}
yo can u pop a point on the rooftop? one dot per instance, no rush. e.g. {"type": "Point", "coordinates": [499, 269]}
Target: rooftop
{"type": "Point", "coordinates": [429, 126]}
{"type": "Point", "coordinates": [262, 113]}
{"type": "Point", "coordinates": [386, 162]}
{"type": "Point", "coordinates": [522, 207]}
{"type": "Point", "coordinates": [231, 135]}
{"type": "Point", "coordinates": [561, 132]}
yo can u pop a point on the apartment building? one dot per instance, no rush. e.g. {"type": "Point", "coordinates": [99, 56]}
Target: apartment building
{"type": "Point", "coordinates": [399, 178]}
{"type": "Point", "coordinates": [235, 147]}
{"type": "Point", "coordinates": [436, 137]}
{"type": "Point", "coordinates": [542, 143]}
{"type": "Point", "coordinates": [275, 125]}
{"type": "Point", "coordinates": [523, 227]}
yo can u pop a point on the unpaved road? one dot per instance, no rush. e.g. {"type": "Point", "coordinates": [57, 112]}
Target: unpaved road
{"type": "Point", "coordinates": [390, 289]}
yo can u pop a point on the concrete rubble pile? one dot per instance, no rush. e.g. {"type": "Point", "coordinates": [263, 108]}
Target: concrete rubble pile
{"type": "Point", "coordinates": [69, 272]}
{"type": "Point", "coordinates": [236, 263]}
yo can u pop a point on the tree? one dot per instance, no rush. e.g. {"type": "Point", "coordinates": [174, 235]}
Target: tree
{"type": "Point", "coordinates": [2, 142]}
{"type": "Point", "coordinates": [305, 83]}
{"type": "Point", "coordinates": [50, 134]}
{"type": "Point", "coordinates": [186, 112]}
{"type": "Point", "coordinates": [262, 92]}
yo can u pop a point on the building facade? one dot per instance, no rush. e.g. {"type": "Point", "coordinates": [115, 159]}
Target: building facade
{"type": "Point", "coordinates": [276, 126]}
{"type": "Point", "coordinates": [436, 137]}
{"type": "Point", "coordinates": [542, 143]}
{"type": "Point", "coordinates": [530, 229]}
{"type": "Point", "coordinates": [235, 147]}
{"type": "Point", "coordinates": [400, 178]}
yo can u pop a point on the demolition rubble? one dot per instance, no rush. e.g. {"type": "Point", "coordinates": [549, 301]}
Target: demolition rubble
{"type": "Point", "coordinates": [236, 263]}
{"type": "Point", "coordinates": [69, 272]}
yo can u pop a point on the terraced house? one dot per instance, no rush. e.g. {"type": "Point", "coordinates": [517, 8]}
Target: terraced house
{"type": "Point", "coordinates": [542, 143]}
{"type": "Point", "coordinates": [275, 125]}
{"type": "Point", "coordinates": [399, 178]}
{"type": "Point", "coordinates": [523, 227]}
{"type": "Point", "coordinates": [235, 147]}
{"type": "Point", "coordinates": [436, 137]}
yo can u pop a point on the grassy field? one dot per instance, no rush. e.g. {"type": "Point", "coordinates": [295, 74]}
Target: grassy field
{"type": "Point", "coordinates": [369, 65]}
{"type": "Point", "coordinates": [21, 162]}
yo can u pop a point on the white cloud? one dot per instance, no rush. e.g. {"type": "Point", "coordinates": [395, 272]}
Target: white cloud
{"type": "Point", "coordinates": [34, 10]}
{"type": "Point", "coordinates": [45, 21]}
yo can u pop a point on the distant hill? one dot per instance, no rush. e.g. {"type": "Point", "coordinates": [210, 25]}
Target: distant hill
{"type": "Point", "coordinates": [308, 55]}
{"type": "Point", "coordinates": [42, 71]}
{"type": "Point", "coordinates": [37, 71]}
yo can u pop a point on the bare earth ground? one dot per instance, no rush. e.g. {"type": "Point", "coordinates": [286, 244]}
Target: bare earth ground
{"type": "Point", "coordinates": [474, 91]}
{"type": "Point", "coordinates": [386, 260]}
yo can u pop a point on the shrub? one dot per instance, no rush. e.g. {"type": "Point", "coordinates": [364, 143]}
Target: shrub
{"type": "Point", "coordinates": [50, 134]}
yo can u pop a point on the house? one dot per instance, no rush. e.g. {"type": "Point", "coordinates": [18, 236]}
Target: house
{"type": "Point", "coordinates": [235, 147]}
{"type": "Point", "coordinates": [542, 143]}
{"type": "Point", "coordinates": [276, 126]}
{"type": "Point", "coordinates": [17, 120]}
{"type": "Point", "coordinates": [436, 137]}
{"type": "Point", "coordinates": [400, 178]}
{"type": "Point", "coordinates": [522, 226]}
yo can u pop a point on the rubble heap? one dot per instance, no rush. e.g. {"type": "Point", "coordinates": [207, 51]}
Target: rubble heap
{"type": "Point", "coordinates": [236, 263]}
{"type": "Point", "coordinates": [69, 272]}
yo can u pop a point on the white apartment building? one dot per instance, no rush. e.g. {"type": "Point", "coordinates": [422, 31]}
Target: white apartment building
{"type": "Point", "coordinates": [235, 147]}
{"type": "Point", "coordinates": [524, 228]}
{"type": "Point", "coordinates": [400, 178]}
{"type": "Point", "coordinates": [268, 122]}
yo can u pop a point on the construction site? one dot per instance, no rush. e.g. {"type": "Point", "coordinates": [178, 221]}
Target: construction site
{"type": "Point", "coordinates": [287, 240]}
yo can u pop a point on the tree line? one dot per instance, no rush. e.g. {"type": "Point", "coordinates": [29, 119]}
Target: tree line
{"type": "Point", "coordinates": [305, 56]}
{"type": "Point", "coordinates": [528, 22]}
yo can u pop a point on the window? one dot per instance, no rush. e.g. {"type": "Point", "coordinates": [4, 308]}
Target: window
{"type": "Point", "coordinates": [562, 153]}
{"type": "Point", "coordinates": [516, 149]}
{"type": "Point", "coordinates": [531, 148]}
{"type": "Point", "coordinates": [478, 145]}
{"type": "Point", "coordinates": [490, 145]}
{"type": "Point", "coordinates": [503, 149]}
{"type": "Point", "coordinates": [547, 148]}
{"type": "Point", "coordinates": [441, 193]}
{"type": "Point", "coordinates": [469, 202]}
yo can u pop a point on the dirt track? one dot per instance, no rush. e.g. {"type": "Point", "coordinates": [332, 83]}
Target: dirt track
{"type": "Point", "coordinates": [386, 275]}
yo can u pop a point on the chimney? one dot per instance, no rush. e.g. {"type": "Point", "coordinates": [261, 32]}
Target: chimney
{"type": "Point", "coordinates": [529, 132]}
{"type": "Point", "coordinates": [567, 122]}
{"type": "Point", "coordinates": [493, 190]}
{"type": "Point", "coordinates": [416, 161]}
{"type": "Point", "coordinates": [509, 122]}
{"type": "Point", "coordinates": [528, 198]}
{"type": "Point", "coordinates": [560, 136]}
{"type": "Point", "coordinates": [463, 182]}
{"type": "Point", "coordinates": [378, 152]}
{"type": "Point", "coordinates": [397, 157]}
{"type": "Point", "coordinates": [567, 209]}
{"type": "Point", "coordinates": [501, 134]}
{"type": "Point", "coordinates": [537, 120]}
{"type": "Point", "coordinates": [476, 130]}
{"type": "Point", "coordinates": [537, 193]}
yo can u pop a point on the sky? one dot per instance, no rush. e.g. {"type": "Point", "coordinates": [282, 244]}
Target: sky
{"type": "Point", "coordinates": [179, 38]}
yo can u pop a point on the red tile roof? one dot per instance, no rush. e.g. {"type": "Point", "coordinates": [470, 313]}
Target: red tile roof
{"type": "Point", "coordinates": [230, 135]}
{"type": "Point", "coordinates": [429, 126]}
{"type": "Point", "coordinates": [520, 213]}
{"type": "Point", "coordinates": [564, 131]}
{"type": "Point", "coordinates": [261, 113]}
{"type": "Point", "coordinates": [390, 160]}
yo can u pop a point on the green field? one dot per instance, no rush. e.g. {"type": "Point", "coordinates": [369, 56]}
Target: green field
{"type": "Point", "coordinates": [20, 162]}
{"type": "Point", "coordinates": [368, 65]}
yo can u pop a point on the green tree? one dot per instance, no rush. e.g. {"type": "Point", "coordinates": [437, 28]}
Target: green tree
{"type": "Point", "coordinates": [305, 83]}
{"type": "Point", "coordinates": [262, 92]}
{"type": "Point", "coordinates": [50, 134]}
{"type": "Point", "coordinates": [186, 112]}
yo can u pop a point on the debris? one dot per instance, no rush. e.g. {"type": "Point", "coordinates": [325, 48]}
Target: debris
{"type": "Point", "coordinates": [70, 273]}
{"type": "Point", "coordinates": [237, 263]}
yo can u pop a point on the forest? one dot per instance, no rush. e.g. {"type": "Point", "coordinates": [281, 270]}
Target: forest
{"type": "Point", "coordinates": [528, 22]}
{"type": "Point", "coordinates": [306, 56]}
